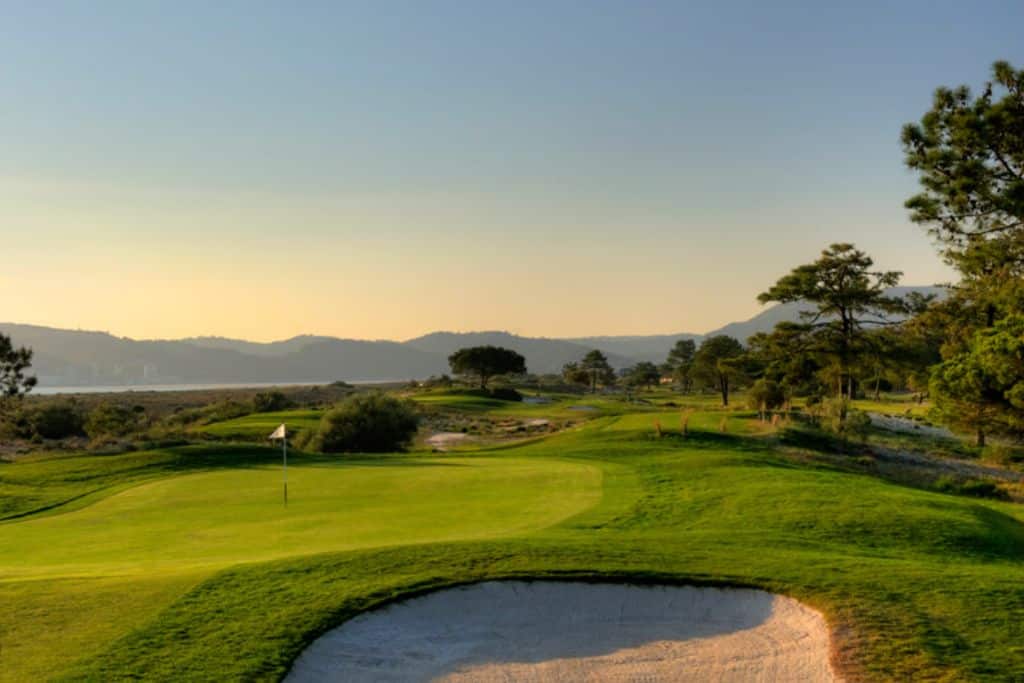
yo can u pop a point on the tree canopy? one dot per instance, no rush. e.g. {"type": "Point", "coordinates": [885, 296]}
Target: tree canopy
{"type": "Point", "coordinates": [969, 152]}
{"type": "Point", "coordinates": [486, 362]}
{"type": "Point", "coordinates": [679, 364]}
{"type": "Point", "coordinates": [847, 295]}
{"type": "Point", "coordinates": [969, 155]}
{"type": "Point", "coordinates": [14, 362]}
{"type": "Point", "coordinates": [600, 372]}
{"type": "Point", "coordinates": [643, 374]}
{"type": "Point", "coordinates": [719, 362]}
{"type": "Point", "coordinates": [982, 389]}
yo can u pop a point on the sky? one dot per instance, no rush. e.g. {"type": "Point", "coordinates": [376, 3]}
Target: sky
{"type": "Point", "coordinates": [385, 169]}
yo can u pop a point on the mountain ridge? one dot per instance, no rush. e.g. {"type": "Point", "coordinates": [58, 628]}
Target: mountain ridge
{"type": "Point", "coordinates": [86, 358]}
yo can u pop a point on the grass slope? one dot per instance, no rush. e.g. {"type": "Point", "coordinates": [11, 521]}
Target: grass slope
{"type": "Point", "coordinates": [919, 585]}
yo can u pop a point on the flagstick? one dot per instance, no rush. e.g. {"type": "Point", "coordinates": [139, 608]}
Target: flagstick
{"type": "Point", "coordinates": [284, 450]}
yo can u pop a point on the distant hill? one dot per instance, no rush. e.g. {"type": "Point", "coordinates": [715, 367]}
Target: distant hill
{"type": "Point", "coordinates": [542, 355]}
{"type": "Point", "coordinates": [653, 348]}
{"type": "Point", "coordinates": [277, 348]}
{"type": "Point", "coordinates": [86, 358]}
{"type": "Point", "coordinates": [77, 358]}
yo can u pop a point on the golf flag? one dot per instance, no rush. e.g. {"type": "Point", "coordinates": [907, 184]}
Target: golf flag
{"type": "Point", "coordinates": [281, 434]}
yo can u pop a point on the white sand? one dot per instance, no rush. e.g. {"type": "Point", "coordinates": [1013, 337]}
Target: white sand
{"type": "Point", "coordinates": [553, 631]}
{"type": "Point", "coordinates": [442, 441]}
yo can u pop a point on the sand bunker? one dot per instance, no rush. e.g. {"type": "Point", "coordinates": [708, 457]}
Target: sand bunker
{"type": "Point", "coordinates": [553, 631]}
{"type": "Point", "coordinates": [442, 441]}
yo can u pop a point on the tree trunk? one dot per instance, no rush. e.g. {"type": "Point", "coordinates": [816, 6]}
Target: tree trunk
{"type": "Point", "coordinates": [981, 437]}
{"type": "Point", "coordinates": [878, 387]}
{"type": "Point", "coordinates": [723, 382]}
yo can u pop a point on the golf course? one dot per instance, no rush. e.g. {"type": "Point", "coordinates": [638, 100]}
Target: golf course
{"type": "Point", "coordinates": [183, 563]}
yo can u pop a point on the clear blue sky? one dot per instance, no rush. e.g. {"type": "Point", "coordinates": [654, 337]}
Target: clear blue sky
{"type": "Point", "coordinates": [382, 169]}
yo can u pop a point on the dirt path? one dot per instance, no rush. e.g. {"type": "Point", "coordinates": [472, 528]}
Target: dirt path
{"type": "Point", "coordinates": [553, 631]}
{"type": "Point", "coordinates": [952, 466]}
{"type": "Point", "coordinates": [961, 468]}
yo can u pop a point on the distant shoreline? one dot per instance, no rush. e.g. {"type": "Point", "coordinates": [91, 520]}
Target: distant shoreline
{"type": "Point", "coordinates": [143, 388]}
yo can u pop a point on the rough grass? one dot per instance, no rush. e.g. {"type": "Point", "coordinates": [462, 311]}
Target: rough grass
{"type": "Point", "coordinates": [918, 585]}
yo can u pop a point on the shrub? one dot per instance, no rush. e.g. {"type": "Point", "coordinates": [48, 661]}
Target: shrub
{"type": "Point", "coordinates": [858, 425]}
{"type": "Point", "coordinates": [271, 402]}
{"type": "Point", "coordinates": [1000, 454]}
{"type": "Point", "coordinates": [971, 487]}
{"type": "Point", "coordinates": [841, 419]}
{"type": "Point", "coordinates": [225, 410]}
{"type": "Point", "coordinates": [110, 419]}
{"type": "Point", "coordinates": [765, 394]}
{"type": "Point", "coordinates": [56, 420]}
{"type": "Point", "coordinates": [506, 394]}
{"type": "Point", "coordinates": [368, 423]}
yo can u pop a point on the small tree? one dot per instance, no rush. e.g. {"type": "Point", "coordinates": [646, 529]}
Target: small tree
{"type": "Point", "coordinates": [719, 363]}
{"type": "Point", "coordinates": [764, 394]}
{"type": "Point", "coordinates": [598, 370]}
{"type": "Point", "coordinates": [680, 363]}
{"type": "Point", "coordinates": [486, 362]}
{"type": "Point", "coordinates": [643, 374]}
{"type": "Point", "coordinates": [572, 373]}
{"type": "Point", "coordinates": [14, 383]}
{"type": "Point", "coordinates": [368, 423]}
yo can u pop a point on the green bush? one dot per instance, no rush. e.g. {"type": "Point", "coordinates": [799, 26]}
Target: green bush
{"type": "Point", "coordinates": [506, 394]}
{"type": "Point", "coordinates": [57, 420]}
{"type": "Point", "coordinates": [368, 423]}
{"type": "Point", "coordinates": [971, 487]}
{"type": "Point", "coordinates": [271, 402]}
{"type": "Point", "coordinates": [839, 418]}
{"type": "Point", "coordinates": [225, 410]}
{"type": "Point", "coordinates": [111, 419]}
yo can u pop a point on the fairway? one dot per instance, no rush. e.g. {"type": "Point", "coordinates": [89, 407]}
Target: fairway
{"type": "Point", "coordinates": [184, 564]}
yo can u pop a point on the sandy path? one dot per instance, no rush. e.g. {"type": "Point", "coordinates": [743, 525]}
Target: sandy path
{"type": "Point", "coordinates": [553, 631]}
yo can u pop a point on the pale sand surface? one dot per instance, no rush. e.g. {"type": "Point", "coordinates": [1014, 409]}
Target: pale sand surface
{"type": "Point", "coordinates": [444, 440]}
{"type": "Point", "coordinates": [555, 631]}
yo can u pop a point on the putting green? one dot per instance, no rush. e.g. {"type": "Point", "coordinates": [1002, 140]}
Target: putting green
{"type": "Point", "coordinates": [220, 518]}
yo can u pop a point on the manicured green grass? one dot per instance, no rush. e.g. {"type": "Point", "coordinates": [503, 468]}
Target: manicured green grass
{"type": "Point", "coordinates": [258, 426]}
{"type": "Point", "coordinates": [215, 519]}
{"type": "Point", "coordinates": [919, 585]}
{"type": "Point", "coordinates": [898, 405]}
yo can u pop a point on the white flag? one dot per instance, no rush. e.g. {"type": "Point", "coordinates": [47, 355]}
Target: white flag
{"type": "Point", "coordinates": [279, 433]}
